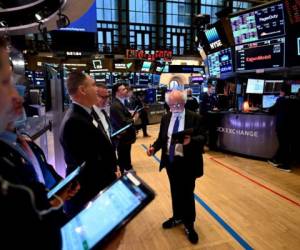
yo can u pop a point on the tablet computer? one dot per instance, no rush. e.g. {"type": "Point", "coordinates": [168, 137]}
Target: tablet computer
{"type": "Point", "coordinates": [105, 214]}
{"type": "Point", "coordinates": [121, 130]}
{"type": "Point", "coordinates": [179, 136]}
{"type": "Point", "coordinates": [136, 111]}
{"type": "Point", "coordinates": [64, 183]}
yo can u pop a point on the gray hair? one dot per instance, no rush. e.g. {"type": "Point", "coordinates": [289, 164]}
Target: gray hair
{"type": "Point", "coordinates": [181, 93]}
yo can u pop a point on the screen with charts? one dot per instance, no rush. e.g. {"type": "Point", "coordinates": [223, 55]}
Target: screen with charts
{"type": "Point", "coordinates": [255, 86]}
{"type": "Point", "coordinates": [262, 23]}
{"type": "Point", "coordinates": [110, 210]}
{"type": "Point", "coordinates": [268, 54]}
{"type": "Point", "coordinates": [220, 62]}
{"type": "Point", "coordinates": [268, 101]}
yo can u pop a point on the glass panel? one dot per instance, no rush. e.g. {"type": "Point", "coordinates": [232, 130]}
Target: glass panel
{"type": "Point", "coordinates": [175, 9]}
{"type": "Point", "coordinates": [132, 17]}
{"type": "Point", "coordinates": [181, 44]}
{"type": "Point", "coordinates": [108, 37]}
{"type": "Point", "coordinates": [131, 5]}
{"type": "Point", "coordinates": [100, 36]}
{"type": "Point", "coordinates": [147, 39]}
{"type": "Point", "coordinates": [139, 17]}
{"type": "Point", "coordinates": [99, 3]}
{"type": "Point", "coordinates": [174, 40]}
{"type": "Point", "coordinates": [169, 19]}
{"type": "Point", "coordinates": [100, 16]}
{"type": "Point", "coordinates": [139, 39]}
{"type": "Point", "coordinates": [107, 15]}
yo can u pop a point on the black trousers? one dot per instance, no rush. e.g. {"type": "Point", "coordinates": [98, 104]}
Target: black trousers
{"type": "Point", "coordinates": [283, 154]}
{"type": "Point", "coordinates": [124, 156]}
{"type": "Point", "coordinates": [182, 185]}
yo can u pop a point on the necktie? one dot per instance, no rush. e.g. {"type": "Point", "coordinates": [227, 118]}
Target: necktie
{"type": "Point", "coordinates": [107, 120]}
{"type": "Point", "coordinates": [172, 146]}
{"type": "Point", "coordinates": [94, 115]}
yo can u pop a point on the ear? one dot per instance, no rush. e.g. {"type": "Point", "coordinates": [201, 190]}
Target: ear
{"type": "Point", "coordinates": [81, 89]}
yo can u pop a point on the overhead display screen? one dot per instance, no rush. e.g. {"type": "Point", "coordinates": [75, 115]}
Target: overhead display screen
{"type": "Point", "coordinates": [220, 63]}
{"type": "Point", "coordinates": [258, 24]}
{"type": "Point", "coordinates": [260, 55]}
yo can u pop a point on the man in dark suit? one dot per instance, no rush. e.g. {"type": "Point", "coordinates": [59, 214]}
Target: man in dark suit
{"type": "Point", "coordinates": [83, 140]}
{"type": "Point", "coordinates": [183, 161]}
{"type": "Point", "coordinates": [23, 199]}
{"type": "Point", "coordinates": [120, 117]}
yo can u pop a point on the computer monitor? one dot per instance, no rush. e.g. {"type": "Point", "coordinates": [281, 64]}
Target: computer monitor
{"type": "Point", "coordinates": [295, 87]}
{"type": "Point", "coordinates": [268, 101]}
{"type": "Point", "coordinates": [255, 86]}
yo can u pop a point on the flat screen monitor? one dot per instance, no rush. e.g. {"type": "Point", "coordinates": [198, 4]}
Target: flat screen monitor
{"type": "Point", "coordinates": [255, 86]}
{"type": "Point", "coordinates": [220, 62]}
{"type": "Point", "coordinates": [261, 23]}
{"type": "Point", "coordinates": [268, 54]}
{"type": "Point", "coordinates": [214, 65]}
{"type": "Point", "coordinates": [268, 101]}
{"type": "Point", "coordinates": [146, 66]}
{"type": "Point", "coordinates": [109, 211]}
{"type": "Point", "coordinates": [295, 87]}
{"type": "Point", "coordinates": [272, 86]}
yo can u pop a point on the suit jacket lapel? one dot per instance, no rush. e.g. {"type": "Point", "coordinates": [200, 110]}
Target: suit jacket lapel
{"type": "Point", "coordinates": [187, 121]}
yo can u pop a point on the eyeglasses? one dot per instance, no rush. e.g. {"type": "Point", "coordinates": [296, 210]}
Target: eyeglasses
{"type": "Point", "coordinates": [176, 105]}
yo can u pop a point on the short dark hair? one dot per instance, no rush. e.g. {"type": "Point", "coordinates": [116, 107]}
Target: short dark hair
{"type": "Point", "coordinates": [75, 79]}
{"type": "Point", "coordinates": [116, 87]}
{"type": "Point", "coordinates": [101, 85]}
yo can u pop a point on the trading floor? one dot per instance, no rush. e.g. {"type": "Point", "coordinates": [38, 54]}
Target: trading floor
{"type": "Point", "coordinates": [241, 204]}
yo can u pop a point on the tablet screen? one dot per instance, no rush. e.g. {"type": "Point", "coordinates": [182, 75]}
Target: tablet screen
{"type": "Point", "coordinates": [106, 213]}
{"type": "Point", "coordinates": [64, 182]}
{"type": "Point", "coordinates": [121, 130]}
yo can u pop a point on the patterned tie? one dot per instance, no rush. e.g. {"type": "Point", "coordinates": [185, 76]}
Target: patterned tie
{"type": "Point", "coordinates": [172, 146]}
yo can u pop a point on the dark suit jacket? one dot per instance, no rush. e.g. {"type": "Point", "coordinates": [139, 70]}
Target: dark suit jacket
{"type": "Point", "coordinates": [51, 177]}
{"type": "Point", "coordinates": [82, 142]}
{"type": "Point", "coordinates": [17, 170]}
{"type": "Point", "coordinates": [193, 151]}
{"type": "Point", "coordinates": [120, 117]}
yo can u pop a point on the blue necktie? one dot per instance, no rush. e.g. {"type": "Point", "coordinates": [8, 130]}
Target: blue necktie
{"type": "Point", "coordinates": [172, 146]}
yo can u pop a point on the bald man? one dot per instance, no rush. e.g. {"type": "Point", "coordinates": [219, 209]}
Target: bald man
{"type": "Point", "coordinates": [183, 161]}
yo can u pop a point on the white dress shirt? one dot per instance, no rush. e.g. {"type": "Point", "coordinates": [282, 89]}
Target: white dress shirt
{"type": "Point", "coordinates": [178, 146]}
{"type": "Point", "coordinates": [103, 120]}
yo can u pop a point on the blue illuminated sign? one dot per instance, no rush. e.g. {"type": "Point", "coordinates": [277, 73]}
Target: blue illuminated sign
{"type": "Point", "coordinates": [213, 38]}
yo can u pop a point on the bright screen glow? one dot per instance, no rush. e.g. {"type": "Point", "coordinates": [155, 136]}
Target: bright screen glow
{"type": "Point", "coordinates": [269, 101]}
{"type": "Point", "coordinates": [255, 86]}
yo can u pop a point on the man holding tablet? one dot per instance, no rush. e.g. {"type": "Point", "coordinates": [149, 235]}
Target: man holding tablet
{"type": "Point", "coordinates": [182, 160]}
{"type": "Point", "coordinates": [83, 140]}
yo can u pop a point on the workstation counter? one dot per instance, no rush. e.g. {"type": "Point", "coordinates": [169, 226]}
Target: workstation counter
{"type": "Point", "coordinates": [249, 134]}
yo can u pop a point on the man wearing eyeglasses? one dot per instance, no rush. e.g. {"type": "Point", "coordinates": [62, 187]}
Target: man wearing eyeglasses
{"type": "Point", "coordinates": [183, 161]}
{"type": "Point", "coordinates": [100, 109]}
